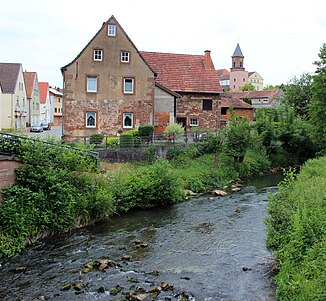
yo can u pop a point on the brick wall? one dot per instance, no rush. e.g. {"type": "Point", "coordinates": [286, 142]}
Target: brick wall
{"type": "Point", "coordinates": [8, 165]}
{"type": "Point", "coordinates": [240, 112]}
{"type": "Point", "coordinates": [191, 106]}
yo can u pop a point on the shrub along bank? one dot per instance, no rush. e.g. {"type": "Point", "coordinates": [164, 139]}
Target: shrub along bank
{"type": "Point", "coordinates": [58, 190]}
{"type": "Point", "coordinates": [296, 231]}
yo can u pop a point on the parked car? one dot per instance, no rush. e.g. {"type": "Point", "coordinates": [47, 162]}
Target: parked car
{"type": "Point", "coordinates": [36, 128]}
{"type": "Point", "coordinates": [46, 126]}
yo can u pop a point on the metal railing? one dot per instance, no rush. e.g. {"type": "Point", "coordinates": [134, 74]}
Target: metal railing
{"type": "Point", "coordinates": [10, 145]}
{"type": "Point", "coordinates": [110, 141]}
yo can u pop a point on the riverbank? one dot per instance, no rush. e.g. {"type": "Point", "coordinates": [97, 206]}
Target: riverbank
{"type": "Point", "coordinates": [58, 190]}
{"type": "Point", "coordinates": [207, 248]}
{"type": "Point", "coordinates": [296, 228]}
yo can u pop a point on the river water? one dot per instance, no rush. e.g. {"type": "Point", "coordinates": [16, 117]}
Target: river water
{"type": "Point", "coordinates": [207, 248]}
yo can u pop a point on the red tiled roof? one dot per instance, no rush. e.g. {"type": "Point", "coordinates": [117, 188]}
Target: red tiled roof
{"type": "Point", "coordinates": [9, 76]}
{"type": "Point", "coordinates": [29, 78]}
{"type": "Point", "coordinates": [183, 72]}
{"type": "Point", "coordinates": [227, 101]}
{"type": "Point", "coordinates": [44, 88]}
{"type": "Point", "coordinates": [257, 94]}
{"type": "Point", "coordinates": [222, 72]}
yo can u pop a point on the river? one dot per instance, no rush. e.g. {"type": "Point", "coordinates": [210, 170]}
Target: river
{"type": "Point", "coordinates": [206, 248]}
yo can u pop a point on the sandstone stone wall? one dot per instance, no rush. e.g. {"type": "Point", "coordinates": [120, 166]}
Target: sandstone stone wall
{"type": "Point", "coordinates": [191, 106]}
{"type": "Point", "coordinates": [8, 165]}
{"type": "Point", "coordinates": [109, 102]}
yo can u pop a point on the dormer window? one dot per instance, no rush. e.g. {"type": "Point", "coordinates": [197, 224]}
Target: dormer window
{"type": "Point", "coordinates": [98, 55]}
{"type": "Point", "coordinates": [125, 56]}
{"type": "Point", "coordinates": [112, 30]}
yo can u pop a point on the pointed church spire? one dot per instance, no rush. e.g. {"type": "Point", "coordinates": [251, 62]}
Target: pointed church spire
{"type": "Point", "coordinates": [237, 60]}
{"type": "Point", "coordinates": [237, 51]}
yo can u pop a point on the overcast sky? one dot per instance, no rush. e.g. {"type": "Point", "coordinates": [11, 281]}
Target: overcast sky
{"type": "Point", "coordinates": [279, 39]}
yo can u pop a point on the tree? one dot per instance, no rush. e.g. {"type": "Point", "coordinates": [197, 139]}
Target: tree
{"type": "Point", "coordinates": [298, 93]}
{"type": "Point", "coordinates": [248, 87]}
{"type": "Point", "coordinates": [293, 132]}
{"type": "Point", "coordinates": [237, 139]}
{"type": "Point", "coordinates": [317, 107]}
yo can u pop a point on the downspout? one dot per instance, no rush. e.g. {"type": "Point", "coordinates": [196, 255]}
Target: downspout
{"type": "Point", "coordinates": [62, 109]}
{"type": "Point", "coordinates": [217, 111]}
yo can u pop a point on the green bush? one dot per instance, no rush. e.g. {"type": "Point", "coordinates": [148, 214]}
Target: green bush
{"type": "Point", "coordinates": [126, 140]}
{"type": "Point", "coordinates": [146, 130]}
{"type": "Point", "coordinates": [296, 231]}
{"type": "Point", "coordinates": [149, 186]}
{"type": "Point", "coordinates": [96, 139]}
{"type": "Point", "coordinates": [111, 142]}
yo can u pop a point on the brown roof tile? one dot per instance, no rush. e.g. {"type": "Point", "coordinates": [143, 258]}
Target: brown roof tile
{"type": "Point", "coordinates": [183, 72]}
{"type": "Point", "coordinates": [8, 76]}
{"type": "Point", "coordinates": [43, 87]}
{"type": "Point", "coordinates": [29, 78]}
{"type": "Point", "coordinates": [257, 94]}
{"type": "Point", "coordinates": [228, 101]}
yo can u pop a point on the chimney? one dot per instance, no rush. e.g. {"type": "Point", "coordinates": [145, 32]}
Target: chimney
{"type": "Point", "coordinates": [208, 60]}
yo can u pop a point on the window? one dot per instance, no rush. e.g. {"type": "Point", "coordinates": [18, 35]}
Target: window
{"type": "Point", "coordinates": [90, 119]}
{"type": "Point", "coordinates": [207, 104]}
{"type": "Point", "coordinates": [223, 123]}
{"type": "Point", "coordinates": [194, 122]}
{"type": "Point", "coordinates": [112, 30]}
{"type": "Point", "coordinates": [128, 85]}
{"type": "Point", "coordinates": [223, 111]}
{"type": "Point", "coordinates": [55, 110]}
{"type": "Point", "coordinates": [92, 84]}
{"type": "Point", "coordinates": [128, 120]}
{"type": "Point", "coordinates": [125, 56]}
{"type": "Point", "coordinates": [97, 55]}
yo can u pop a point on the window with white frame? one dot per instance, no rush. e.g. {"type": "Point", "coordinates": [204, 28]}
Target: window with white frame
{"type": "Point", "coordinates": [128, 120]}
{"type": "Point", "coordinates": [125, 56]}
{"type": "Point", "coordinates": [128, 85]}
{"type": "Point", "coordinates": [112, 30]}
{"type": "Point", "coordinates": [92, 84]}
{"type": "Point", "coordinates": [98, 54]}
{"type": "Point", "coordinates": [193, 122]}
{"type": "Point", "coordinates": [90, 119]}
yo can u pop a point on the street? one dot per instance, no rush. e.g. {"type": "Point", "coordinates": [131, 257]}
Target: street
{"type": "Point", "coordinates": [55, 132]}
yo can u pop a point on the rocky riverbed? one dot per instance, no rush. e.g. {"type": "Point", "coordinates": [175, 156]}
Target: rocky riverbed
{"type": "Point", "coordinates": [207, 248]}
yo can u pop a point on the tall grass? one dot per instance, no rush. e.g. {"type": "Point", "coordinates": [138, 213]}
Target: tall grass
{"type": "Point", "coordinates": [296, 231]}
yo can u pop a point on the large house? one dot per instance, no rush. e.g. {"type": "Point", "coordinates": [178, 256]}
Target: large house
{"type": "Point", "coordinates": [13, 105]}
{"type": "Point", "coordinates": [46, 103]}
{"type": "Point", "coordinates": [108, 87]}
{"type": "Point", "coordinates": [112, 87]}
{"type": "Point", "coordinates": [33, 97]}
{"type": "Point", "coordinates": [194, 79]}
{"type": "Point", "coordinates": [56, 100]}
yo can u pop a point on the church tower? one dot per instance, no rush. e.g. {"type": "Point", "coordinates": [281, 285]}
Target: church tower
{"type": "Point", "coordinates": [237, 59]}
{"type": "Point", "coordinates": [238, 75]}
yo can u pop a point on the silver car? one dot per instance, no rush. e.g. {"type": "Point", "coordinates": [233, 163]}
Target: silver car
{"type": "Point", "coordinates": [36, 128]}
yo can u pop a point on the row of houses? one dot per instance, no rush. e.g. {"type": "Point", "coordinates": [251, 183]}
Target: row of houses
{"type": "Point", "coordinates": [112, 87]}
{"type": "Point", "coordinates": [25, 101]}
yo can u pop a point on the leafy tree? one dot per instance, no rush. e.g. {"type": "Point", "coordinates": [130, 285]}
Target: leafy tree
{"type": "Point", "coordinates": [237, 139]}
{"type": "Point", "coordinates": [269, 87]}
{"type": "Point", "coordinates": [317, 107]}
{"type": "Point", "coordinates": [298, 93]}
{"type": "Point", "coordinates": [294, 135]}
{"type": "Point", "coordinates": [248, 87]}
